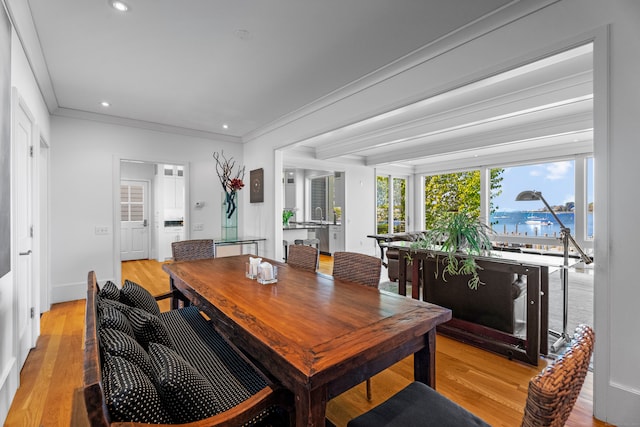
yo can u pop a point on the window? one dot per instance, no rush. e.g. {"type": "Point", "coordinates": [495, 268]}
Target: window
{"type": "Point", "coordinates": [319, 190]}
{"type": "Point", "coordinates": [555, 181]}
{"type": "Point", "coordinates": [519, 221]}
{"type": "Point", "coordinates": [131, 202]}
{"type": "Point", "coordinates": [451, 192]}
{"type": "Point", "coordinates": [589, 199]}
{"type": "Point", "coordinates": [397, 193]}
{"type": "Point", "coordinates": [399, 205]}
{"type": "Point", "coordinates": [382, 204]}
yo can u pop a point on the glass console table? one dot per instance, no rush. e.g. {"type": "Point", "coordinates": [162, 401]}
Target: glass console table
{"type": "Point", "coordinates": [239, 241]}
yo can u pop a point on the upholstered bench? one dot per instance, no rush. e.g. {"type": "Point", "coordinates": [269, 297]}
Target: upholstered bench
{"type": "Point", "coordinates": [144, 367]}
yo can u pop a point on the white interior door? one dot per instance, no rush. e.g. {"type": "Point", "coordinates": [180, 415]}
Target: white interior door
{"type": "Point", "coordinates": [134, 224]}
{"type": "Point", "coordinates": [23, 196]}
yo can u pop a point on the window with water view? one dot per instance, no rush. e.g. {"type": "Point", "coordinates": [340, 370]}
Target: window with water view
{"type": "Point", "coordinates": [461, 192]}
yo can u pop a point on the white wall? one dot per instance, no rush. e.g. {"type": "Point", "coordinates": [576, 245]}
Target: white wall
{"type": "Point", "coordinates": [82, 175]}
{"type": "Point", "coordinates": [23, 81]}
{"type": "Point", "coordinates": [82, 170]}
{"type": "Point", "coordinates": [617, 105]}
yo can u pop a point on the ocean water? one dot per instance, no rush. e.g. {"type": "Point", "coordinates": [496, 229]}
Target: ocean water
{"type": "Point", "coordinates": [535, 223]}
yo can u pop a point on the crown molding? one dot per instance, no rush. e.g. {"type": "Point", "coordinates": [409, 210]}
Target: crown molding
{"type": "Point", "coordinates": [158, 127]}
{"type": "Point", "coordinates": [501, 17]}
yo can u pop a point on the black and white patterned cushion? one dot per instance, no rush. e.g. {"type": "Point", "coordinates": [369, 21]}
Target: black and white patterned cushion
{"type": "Point", "coordinates": [105, 302]}
{"type": "Point", "coordinates": [233, 379]}
{"type": "Point", "coordinates": [110, 291]}
{"type": "Point", "coordinates": [136, 296]}
{"type": "Point", "coordinates": [131, 394]}
{"type": "Point", "coordinates": [187, 395]}
{"type": "Point", "coordinates": [112, 318]}
{"type": "Point", "coordinates": [115, 343]}
{"type": "Point", "coordinates": [147, 328]}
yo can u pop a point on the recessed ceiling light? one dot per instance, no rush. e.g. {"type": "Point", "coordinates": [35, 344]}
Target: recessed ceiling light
{"type": "Point", "coordinates": [118, 5]}
{"type": "Point", "coordinates": [105, 104]}
{"type": "Point", "coordinates": [225, 126]}
{"type": "Point", "coordinates": [243, 34]}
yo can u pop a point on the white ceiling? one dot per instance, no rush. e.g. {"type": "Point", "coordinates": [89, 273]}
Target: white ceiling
{"type": "Point", "coordinates": [194, 65]}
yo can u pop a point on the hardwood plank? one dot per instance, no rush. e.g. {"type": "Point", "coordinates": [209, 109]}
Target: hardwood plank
{"type": "Point", "coordinates": [488, 385]}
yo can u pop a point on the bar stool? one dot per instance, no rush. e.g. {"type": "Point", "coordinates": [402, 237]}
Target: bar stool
{"type": "Point", "coordinates": [308, 242]}
{"type": "Point", "coordinates": [285, 243]}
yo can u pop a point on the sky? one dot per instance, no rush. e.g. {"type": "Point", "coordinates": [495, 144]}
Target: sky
{"type": "Point", "coordinates": [554, 180]}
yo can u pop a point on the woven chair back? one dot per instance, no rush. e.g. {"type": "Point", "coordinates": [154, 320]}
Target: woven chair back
{"type": "Point", "coordinates": [554, 391]}
{"type": "Point", "coordinates": [188, 250]}
{"type": "Point", "coordinates": [302, 256]}
{"type": "Point", "coordinates": [356, 267]}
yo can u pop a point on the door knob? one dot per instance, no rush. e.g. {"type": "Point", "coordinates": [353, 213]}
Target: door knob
{"type": "Point", "coordinates": [25, 253]}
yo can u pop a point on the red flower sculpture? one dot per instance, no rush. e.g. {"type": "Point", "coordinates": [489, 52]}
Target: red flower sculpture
{"type": "Point", "coordinates": [230, 185]}
{"type": "Point", "coordinates": [236, 184]}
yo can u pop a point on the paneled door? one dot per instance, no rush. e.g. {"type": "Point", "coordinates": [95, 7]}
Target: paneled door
{"type": "Point", "coordinates": [26, 292]}
{"type": "Point", "coordinates": [134, 226]}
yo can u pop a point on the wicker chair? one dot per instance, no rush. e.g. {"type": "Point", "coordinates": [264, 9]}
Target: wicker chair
{"type": "Point", "coordinates": [302, 256]}
{"type": "Point", "coordinates": [552, 394]}
{"type": "Point", "coordinates": [355, 267]}
{"type": "Point", "coordinates": [359, 268]}
{"type": "Point", "coordinates": [187, 250]}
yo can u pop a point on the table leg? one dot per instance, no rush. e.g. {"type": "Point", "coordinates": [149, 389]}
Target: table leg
{"type": "Point", "coordinates": [311, 407]}
{"type": "Point", "coordinates": [424, 361]}
{"type": "Point", "coordinates": [402, 275]}
{"type": "Point", "coordinates": [174, 299]}
{"type": "Point", "coordinates": [415, 278]}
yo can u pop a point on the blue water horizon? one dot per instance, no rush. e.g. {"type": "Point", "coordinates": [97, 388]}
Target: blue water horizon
{"type": "Point", "coordinates": [535, 223]}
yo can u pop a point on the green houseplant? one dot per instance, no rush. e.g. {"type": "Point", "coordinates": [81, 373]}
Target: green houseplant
{"type": "Point", "coordinates": [286, 216]}
{"type": "Point", "coordinates": [461, 236]}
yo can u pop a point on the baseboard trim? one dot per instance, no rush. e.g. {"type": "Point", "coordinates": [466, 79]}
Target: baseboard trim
{"type": "Point", "coordinates": [68, 292]}
{"type": "Point", "coordinates": [9, 382]}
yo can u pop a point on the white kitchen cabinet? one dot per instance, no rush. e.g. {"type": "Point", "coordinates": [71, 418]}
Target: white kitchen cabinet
{"type": "Point", "coordinates": [169, 235]}
{"type": "Point", "coordinates": [170, 206]}
{"type": "Point", "coordinates": [173, 187]}
{"type": "Point", "coordinates": [336, 238]}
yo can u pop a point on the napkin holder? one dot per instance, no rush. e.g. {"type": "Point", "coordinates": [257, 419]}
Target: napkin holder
{"type": "Point", "coordinates": [267, 273]}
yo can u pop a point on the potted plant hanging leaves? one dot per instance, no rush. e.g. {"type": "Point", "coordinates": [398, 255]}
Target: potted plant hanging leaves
{"type": "Point", "coordinates": [460, 236]}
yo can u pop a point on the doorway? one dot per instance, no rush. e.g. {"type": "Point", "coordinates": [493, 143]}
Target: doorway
{"type": "Point", "coordinates": [134, 220]}
{"type": "Point", "coordinates": [142, 217]}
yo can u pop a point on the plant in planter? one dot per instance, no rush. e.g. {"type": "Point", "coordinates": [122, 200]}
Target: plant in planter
{"type": "Point", "coordinates": [461, 236]}
{"type": "Point", "coordinates": [286, 216]}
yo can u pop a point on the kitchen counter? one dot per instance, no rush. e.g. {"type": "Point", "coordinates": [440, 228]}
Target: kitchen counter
{"type": "Point", "coordinates": [301, 227]}
{"type": "Point", "coordinates": [308, 225]}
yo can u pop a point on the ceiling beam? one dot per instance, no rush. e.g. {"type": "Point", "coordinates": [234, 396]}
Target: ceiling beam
{"type": "Point", "coordinates": [449, 113]}
{"type": "Point", "coordinates": [475, 137]}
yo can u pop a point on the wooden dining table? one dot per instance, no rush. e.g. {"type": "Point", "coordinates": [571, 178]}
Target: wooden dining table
{"type": "Point", "coordinates": [317, 336]}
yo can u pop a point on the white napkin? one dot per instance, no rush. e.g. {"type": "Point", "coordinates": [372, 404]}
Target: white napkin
{"type": "Point", "coordinates": [267, 271]}
{"type": "Point", "coordinates": [253, 265]}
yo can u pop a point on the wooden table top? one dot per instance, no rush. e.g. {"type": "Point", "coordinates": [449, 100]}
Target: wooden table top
{"type": "Point", "coordinates": [307, 329]}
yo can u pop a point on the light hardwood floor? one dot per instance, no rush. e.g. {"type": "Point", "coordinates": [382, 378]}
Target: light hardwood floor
{"type": "Point", "coordinates": [488, 385]}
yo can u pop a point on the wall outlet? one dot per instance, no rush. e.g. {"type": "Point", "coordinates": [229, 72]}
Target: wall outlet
{"type": "Point", "coordinates": [102, 230]}
{"type": "Point", "coordinates": [198, 227]}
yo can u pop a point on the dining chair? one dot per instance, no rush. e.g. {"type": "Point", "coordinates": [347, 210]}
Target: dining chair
{"type": "Point", "coordinates": [356, 267]}
{"type": "Point", "coordinates": [359, 268]}
{"type": "Point", "coordinates": [187, 250]}
{"type": "Point", "coordinates": [303, 256]}
{"type": "Point", "coordinates": [550, 399]}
